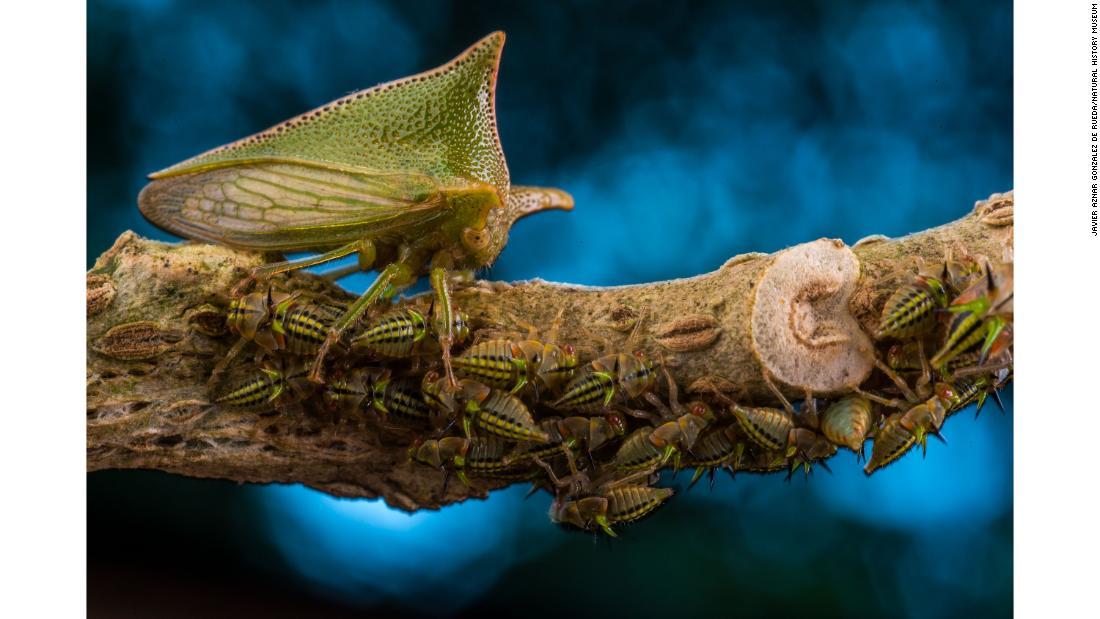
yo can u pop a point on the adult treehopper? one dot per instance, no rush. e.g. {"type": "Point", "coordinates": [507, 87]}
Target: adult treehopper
{"type": "Point", "coordinates": [409, 175]}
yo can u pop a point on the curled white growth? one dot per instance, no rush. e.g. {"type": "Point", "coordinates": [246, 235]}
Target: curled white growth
{"type": "Point", "coordinates": [802, 330]}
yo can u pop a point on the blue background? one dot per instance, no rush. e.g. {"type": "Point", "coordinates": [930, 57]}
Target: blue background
{"type": "Point", "coordinates": [687, 133]}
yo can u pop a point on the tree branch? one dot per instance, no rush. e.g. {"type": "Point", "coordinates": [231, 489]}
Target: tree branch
{"type": "Point", "coordinates": [156, 327]}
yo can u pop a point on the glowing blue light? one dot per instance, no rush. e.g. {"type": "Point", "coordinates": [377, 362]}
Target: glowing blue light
{"type": "Point", "coordinates": [367, 551]}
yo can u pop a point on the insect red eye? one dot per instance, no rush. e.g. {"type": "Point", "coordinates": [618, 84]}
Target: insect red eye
{"type": "Point", "coordinates": [431, 376]}
{"type": "Point", "coordinates": [618, 423]}
{"type": "Point", "coordinates": [568, 348]}
{"type": "Point", "coordinates": [639, 354]}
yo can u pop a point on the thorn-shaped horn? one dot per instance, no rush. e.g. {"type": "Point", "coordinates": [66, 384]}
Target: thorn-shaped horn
{"type": "Point", "coordinates": [523, 201]}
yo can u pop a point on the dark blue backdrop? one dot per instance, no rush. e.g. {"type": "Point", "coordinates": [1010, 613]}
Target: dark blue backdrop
{"type": "Point", "coordinates": [688, 133]}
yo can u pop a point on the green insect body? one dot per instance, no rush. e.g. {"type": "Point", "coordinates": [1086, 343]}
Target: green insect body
{"type": "Point", "coordinates": [394, 335]}
{"type": "Point", "coordinates": [765, 461]}
{"type": "Point", "coordinates": [512, 365]}
{"type": "Point", "coordinates": [551, 449]}
{"type": "Point", "coordinates": [629, 503]}
{"type": "Point", "coordinates": [399, 334]}
{"type": "Point", "coordinates": [504, 415]}
{"type": "Point", "coordinates": [249, 314]}
{"type": "Point", "coordinates": [892, 441]}
{"type": "Point", "coordinates": [720, 447]}
{"type": "Point", "coordinates": [635, 374]}
{"type": "Point", "coordinates": [714, 448]}
{"type": "Point", "coordinates": [258, 392]}
{"type": "Point", "coordinates": [300, 328]}
{"type": "Point", "coordinates": [911, 309]}
{"type": "Point", "coordinates": [493, 362]}
{"type": "Point", "coordinates": [905, 357]}
{"type": "Point", "coordinates": [447, 454]}
{"type": "Point", "coordinates": [596, 386]}
{"type": "Point", "coordinates": [624, 504]}
{"type": "Point", "coordinates": [959, 393]}
{"type": "Point", "coordinates": [454, 402]}
{"type": "Point", "coordinates": [925, 418]}
{"type": "Point", "coordinates": [280, 322]}
{"type": "Point", "coordinates": [981, 321]}
{"type": "Point", "coordinates": [270, 386]}
{"type": "Point", "coordinates": [486, 458]}
{"type": "Point", "coordinates": [593, 432]}
{"type": "Point", "coordinates": [497, 412]}
{"type": "Point", "coordinates": [965, 334]}
{"type": "Point", "coordinates": [769, 428]}
{"type": "Point", "coordinates": [572, 433]}
{"type": "Point", "coordinates": [847, 421]}
{"type": "Point", "coordinates": [407, 175]}
{"type": "Point", "coordinates": [589, 392]}
{"type": "Point", "coordinates": [402, 400]}
{"type": "Point", "coordinates": [807, 446]}
{"type": "Point", "coordinates": [638, 453]}
{"type": "Point", "coordinates": [476, 457]}
{"type": "Point", "coordinates": [675, 436]}
{"type": "Point", "coordinates": [348, 391]}
{"type": "Point", "coordinates": [683, 432]}
{"type": "Point", "coordinates": [556, 365]}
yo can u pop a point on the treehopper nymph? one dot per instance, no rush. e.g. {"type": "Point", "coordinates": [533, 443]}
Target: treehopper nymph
{"type": "Point", "coordinates": [408, 175]}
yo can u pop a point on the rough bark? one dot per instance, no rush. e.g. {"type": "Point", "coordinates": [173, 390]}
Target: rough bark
{"type": "Point", "coordinates": [802, 315]}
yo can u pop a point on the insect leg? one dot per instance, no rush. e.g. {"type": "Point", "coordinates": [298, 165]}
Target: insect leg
{"type": "Point", "coordinates": [267, 270]}
{"type": "Point", "coordinates": [443, 319]}
{"type": "Point", "coordinates": [219, 368]}
{"type": "Point", "coordinates": [897, 380]}
{"type": "Point", "coordinates": [892, 403]}
{"type": "Point", "coordinates": [397, 274]}
{"type": "Point", "coordinates": [778, 394]}
{"type": "Point", "coordinates": [340, 272]}
{"type": "Point", "coordinates": [554, 479]}
{"type": "Point", "coordinates": [925, 369]}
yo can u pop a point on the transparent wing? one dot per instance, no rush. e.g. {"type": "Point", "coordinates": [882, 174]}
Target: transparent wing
{"type": "Point", "coordinates": [290, 206]}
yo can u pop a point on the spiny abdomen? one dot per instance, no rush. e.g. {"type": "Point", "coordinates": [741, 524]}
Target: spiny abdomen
{"type": "Point", "coordinates": [393, 335]}
{"type": "Point", "coordinates": [485, 458]}
{"type": "Point", "coordinates": [305, 329]}
{"type": "Point", "coordinates": [768, 427]}
{"type": "Point", "coordinates": [637, 453]}
{"type": "Point", "coordinates": [587, 392]}
{"type": "Point", "coordinates": [402, 400]}
{"type": "Point", "coordinates": [712, 449]}
{"type": "Point", "coordinates": [892, 441]}
{"type": "Point", "coordinates": [507, 416]}
{"type": "Point", "coordinates": [630, 503]}
{"type": "Point", "coordinates": [965, 334]}
{"type": "Point", "coordinates": [911, 310]}
{"type": "Point", "coordinates": [492, 362]}
{"type": "Point", "coordinates": [847, 421]}
{"type": "Point", "coordinates": [254, 393]}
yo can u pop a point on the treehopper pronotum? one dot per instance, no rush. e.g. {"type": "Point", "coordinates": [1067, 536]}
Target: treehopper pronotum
{"type": "Point", "coordinates": [409, 175]}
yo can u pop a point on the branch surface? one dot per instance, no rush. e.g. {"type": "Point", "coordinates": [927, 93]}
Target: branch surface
{"type": "Point", "coordinates": [156, 327]}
